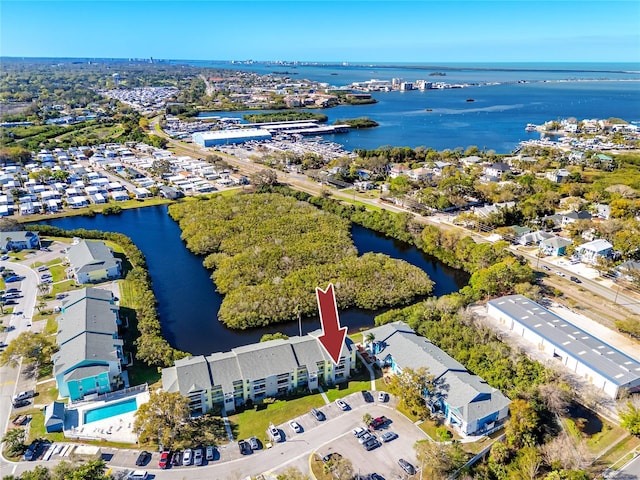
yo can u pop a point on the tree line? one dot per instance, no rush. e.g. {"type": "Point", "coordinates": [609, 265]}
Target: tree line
{"type": "Point", "coordinates": [150, 346]}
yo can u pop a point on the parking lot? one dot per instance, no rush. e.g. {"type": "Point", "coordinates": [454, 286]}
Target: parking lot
{"type": "Point", "coordinates": [382, 460]}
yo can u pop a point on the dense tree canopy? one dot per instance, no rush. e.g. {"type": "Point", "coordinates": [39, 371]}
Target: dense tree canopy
{"type": "Point", "coordinates": [269, 252]}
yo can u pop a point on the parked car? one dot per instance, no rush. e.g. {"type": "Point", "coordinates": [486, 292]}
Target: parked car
{"type": "Point", "coordinates": [367, 396]}
{"type": "Point", "coordinates": [42, 268]}
{"type": "Point", "coordinates": [253, 443]}
{"type": "Point", "coordinates": [406, 466]}
{"type": "Point", "coordinates": [210, 453]}
{"type": "Point", "coordinates": [365, 437]}
{"type": "Point", "coordinates": [358, 432]}
{"type": "Point", "coordinates": [21, 403]}
{"type": "Point", "coordinates": [342, 404]}
{"type": "Point", "coordinates": [575, 279]}
{"type": "Point", "coordinates": [24, 395]}
{"type": "Point", "coordinates": [388, 436]}
{"type": "Point", "coordinates": [274, 434]}
{"type": "Point", "coordinates": [245, 448]}
{"type": "Point", "coordinates": [377, 423]}
{"type": "Point", "coordinates": [143, 458]}
{"type": "Point", "coordinates": [32, 449]}
{"type": "Point", "coordinates": [187, 456]}
{"type": "Point", "coordinates": [295, 426]}
{"type": "Point", "coordinates": [176, 458]}
{"type": "Point", "coordinates": [197, 457]}
{"type": "Point", "coordinates": [371, 444]}
{"type": "Point", "coordinates": [19, 420]}
{"type": "Point", "coordinates": [318, 414]}
{"type": "Point", "coordinates": [164, 459]}
{"type": "Point", "coordinates": [13, 278]}
{"type": "Point", "coordinates": [138, 475]}
{"type": "Point", "coordinates": [382, 397]}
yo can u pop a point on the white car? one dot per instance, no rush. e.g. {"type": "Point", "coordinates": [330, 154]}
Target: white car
{"type": "Point", "coordinates": [342, 404]}
{"type": "Point", "coordinates": [138, 475]}
{"type": "Point", "coordinates": [382, 397]}
{"type": "Point", "coordinates": [295, 426]}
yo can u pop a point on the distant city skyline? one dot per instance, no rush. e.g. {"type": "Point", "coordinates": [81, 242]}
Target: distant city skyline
{"type": "Point", "coordinates": [325, 31]}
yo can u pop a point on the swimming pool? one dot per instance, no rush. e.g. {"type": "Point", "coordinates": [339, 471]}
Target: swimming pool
{"type": "Point", "coordinates": [112, 410]}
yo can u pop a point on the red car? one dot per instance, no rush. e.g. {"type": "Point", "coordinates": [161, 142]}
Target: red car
{"type": "Point", "coordinates": [376, 423]}
{"type": "Point", "coordinates": [164, 460]}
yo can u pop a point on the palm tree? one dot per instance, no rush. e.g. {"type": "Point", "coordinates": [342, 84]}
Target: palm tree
{"type": "Point", "coordinates": [370, 338]}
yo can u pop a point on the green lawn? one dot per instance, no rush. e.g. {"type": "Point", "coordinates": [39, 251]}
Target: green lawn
{"type": "Point", "coordinates": [254, 422]}
{"type": "Point", "coordinates": [47, 393]}
{"type": "Point", "coordinates": [57, 271]}
{"type": "Point", "coordinates": [616, 456]}
{"type": "Point", "coordinates": [358, 382]}
{"type": "Point", "coordinates": [63, 287]}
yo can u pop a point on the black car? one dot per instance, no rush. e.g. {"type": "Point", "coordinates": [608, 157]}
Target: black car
{"type": "Point", "coordinates": [245, 448]}
{"type": "Point", "coordinates": [367, 396]}
{"type": "Point", "coordinates": [575, 279]}
{"type": "Point", "coordinates": [143, 458]}
{"type": "Point", "coordinates": [407, 467]}
{"type": "Point", "coordinates": [176, 458]}
{"type": "Point", "coordinates": [371, 444]}
{"type": "Point", "coordinates": [32, 451]}
{"type": "Point", "coordinates": [21, 403]}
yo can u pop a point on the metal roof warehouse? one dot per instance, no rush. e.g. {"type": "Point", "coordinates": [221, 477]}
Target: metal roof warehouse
{"type": "Point", "coordinates": [602, 365]}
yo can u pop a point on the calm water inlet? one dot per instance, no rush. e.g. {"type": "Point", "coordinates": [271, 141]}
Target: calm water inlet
{"type": "Point", "coordinates": [188, 303]}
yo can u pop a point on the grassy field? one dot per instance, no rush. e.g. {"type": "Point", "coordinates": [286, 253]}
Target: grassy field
{"type": "Point", "coordinates": [254, 421]}
{"type": "Point", "coordinates": [358, 382]}
{"type": "Point", "coordinates": [620, 453]}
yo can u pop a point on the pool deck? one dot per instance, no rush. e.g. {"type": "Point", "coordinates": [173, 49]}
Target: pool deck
{"type": "Point", "coordinates": [118, 428]}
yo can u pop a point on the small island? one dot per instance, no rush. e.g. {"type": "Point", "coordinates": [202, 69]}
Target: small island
{"type": "Point", "coordinates": [358, 123]}
{"type": "Point", "coordinates": [285, 116]}
{"type": "Point", "coordinates": [269, 252]}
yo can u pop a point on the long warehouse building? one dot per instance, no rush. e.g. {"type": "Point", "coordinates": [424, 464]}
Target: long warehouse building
{"type": "Point", "coordinates": [225, 137]}
{"type": "Point", "coordinates": [604, 366]}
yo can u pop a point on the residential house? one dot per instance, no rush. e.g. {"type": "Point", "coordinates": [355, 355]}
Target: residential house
{"type": "Point", "coordinates": [558, 176]}
{"type": "Point", "coordinates": [466, 402]}
{"type": "Point", "coordinates": [555, 246]}
{"type": "Point", "coordinates": [257, 371]}
{"type": "Point", "coordinates": [397, 170]}
{"type": "Point", "coordinates": [420, 174]}
{"type": "Point", "coordinates": [90, 355]}
{"type": "Point", "coordinates": [19, 240]}
{"type": "Point", "coordinates": [590, 252]}
{"type": "Point", "coordinates": [630, 270]}
{"type": "Point", "coordinates": [496, 170]}
{"type": "Point", "coordinates": [573, 216]}
{"type": "Point", "coordinates": [603, 211]}
{"type": "Point", "coordinates": [92, 261]}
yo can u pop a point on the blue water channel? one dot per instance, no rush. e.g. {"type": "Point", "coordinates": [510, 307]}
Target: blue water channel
{"type": "Point", "coordinates": [188, 303]}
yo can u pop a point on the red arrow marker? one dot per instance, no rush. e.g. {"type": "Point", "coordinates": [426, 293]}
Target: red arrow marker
{"type": "Point", "coordinates": [333, 335]}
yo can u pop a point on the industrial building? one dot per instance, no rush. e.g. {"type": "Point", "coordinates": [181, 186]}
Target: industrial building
{"type": "Point", "coordinates": [602, 365]}
{"type": "Point", "coordinates": [225, 137]}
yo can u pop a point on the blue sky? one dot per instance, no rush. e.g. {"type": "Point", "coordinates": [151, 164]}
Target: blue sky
{"type": "Point", "coordinates": [330, 30]}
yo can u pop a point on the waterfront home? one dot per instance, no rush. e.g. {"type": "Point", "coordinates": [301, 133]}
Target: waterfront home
{"type": "Point", "coordinates": [90, 356]}
{"type": "Point", "coordinates": [590, 252]}
{"type": "Point", "coordinates": [606, 368]}
{"type": "Point", "coordinates": [19, 240]}
{"type": "Point", "coordinates": [92, 261]}
{"type": "Point", "coordinates": [257, 371]}
{"type": "Point", "coordinates": [629, 270]}
{"type": "Point", "coordinates": [465, 401]}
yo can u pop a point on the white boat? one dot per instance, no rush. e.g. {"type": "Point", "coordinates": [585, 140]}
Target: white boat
{"type": "Point", "coordinates": [531, 127]}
